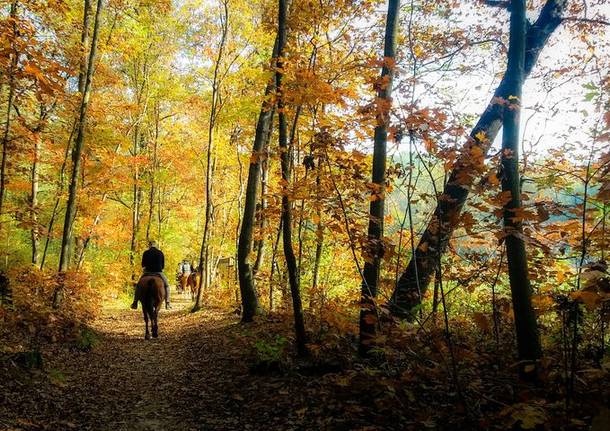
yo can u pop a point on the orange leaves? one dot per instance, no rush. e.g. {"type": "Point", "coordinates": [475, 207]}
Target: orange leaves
{"type": "Point", "coordinates": [595, 290]}
{"type": "Point", "coordinates": [33, 70]}
{"type": "Point", "coordinates": [377, 191]}
{"type": "Point", "coordinates": [493, 180]}
{"type": "Point", "coordinates": [258, 157]}
{"type": "Point", "coordinates": [468, 221]}
{"type": "Point", "coordinates": [590, 299]}
{"type": "Point", "coordinates": [503, 198]}
{"type": "Point", "coordinates": [482, 321]}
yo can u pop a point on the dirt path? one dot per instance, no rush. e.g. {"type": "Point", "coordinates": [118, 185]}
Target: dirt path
{"type": "Point", "coordinates": [128, 383]}
{"type": "Point", "coordinates": [194, 377]}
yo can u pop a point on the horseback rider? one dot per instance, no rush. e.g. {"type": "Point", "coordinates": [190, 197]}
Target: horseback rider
{"type": "Point", "coordinates": [185, 268]}
{"type": "Point", "coordinates": [153, 262]}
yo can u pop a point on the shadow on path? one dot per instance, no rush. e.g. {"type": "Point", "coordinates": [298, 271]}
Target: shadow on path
{"type": "Point", "coordinates": [195, 376]}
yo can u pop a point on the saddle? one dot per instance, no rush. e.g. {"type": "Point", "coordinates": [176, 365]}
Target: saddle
{"type": "Point", "coordinates": [151, 275]}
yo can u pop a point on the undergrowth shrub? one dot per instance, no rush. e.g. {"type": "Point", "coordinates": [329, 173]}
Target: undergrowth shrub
{"type": "Point", "coordinates": [87, 339]}
{"type": "Point", "coordinates": [270, 355]}
{"type": "Point", "coordinates": [31, 319]}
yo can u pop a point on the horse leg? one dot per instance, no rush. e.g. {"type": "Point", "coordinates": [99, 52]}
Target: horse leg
{"type": "Point", "coordinates": [145, 311]}
{"type": "Point", "coordinates": [155, 322]}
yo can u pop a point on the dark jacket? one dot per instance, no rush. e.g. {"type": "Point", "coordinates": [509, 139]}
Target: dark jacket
{"type": "Point", "coordinates": [153, 260]}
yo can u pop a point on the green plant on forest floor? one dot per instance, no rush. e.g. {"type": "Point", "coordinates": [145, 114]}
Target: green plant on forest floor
{"type": "Point", "coordinates": [270, 354]}
{"type": "Point", "coordinates": [87, 339]}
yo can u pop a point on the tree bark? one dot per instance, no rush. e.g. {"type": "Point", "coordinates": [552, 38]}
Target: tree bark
{"type": "Point", "coordinates": [9, 108]}
{"type": "Point", "coordinates": [135, 207]}
{"type": "Point", "coordinates": [247, 288]}
{"type": "Point", "coordinates": [84, 41]}
{"type": "Point", "coordinates": [153, 174]}
{"type": "Point", "coordinates": [319, 236]}
{"type": "Point", "coordinates": [417, 276]}
{"type": "Point", "coordinates": [291, 263]}
{"type": "Point", "coordinates": [204, 254]}
{"type": "Point", "coordinates": [34, 230]}
{"type": "Point", "coordinates": [368, 314]}
{"type": "Point", "coordinates": [276, 244]}
{"type": "Point", "coordinates": [262, 222]}
{"type": "Point", "coordinates": [528, 341]}
{"type": "Point", "coordinates": [240, 195]}
{"type": "Point", "coordinates": [77, 155]}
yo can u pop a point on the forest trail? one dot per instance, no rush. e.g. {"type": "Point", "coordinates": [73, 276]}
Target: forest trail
{"type": "Point", "coordinates": [193, 377]}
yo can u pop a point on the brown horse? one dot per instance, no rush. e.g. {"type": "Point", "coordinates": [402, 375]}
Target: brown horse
{"type": "Point", "coordinates": [193, 283]}
{"type": "Point", "coordinates": [183, 282]}
{"type": "Point", "coordinates": [152, 294]}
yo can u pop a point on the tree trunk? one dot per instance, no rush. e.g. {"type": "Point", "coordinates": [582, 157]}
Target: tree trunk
{"type": "Point", "coordinates": [368, 314]}
{"type": "Point", "coordinates": [9, 108]}
{"type": "Point", "coordinates": [240, 196]}
{"type": "Point", "coordinates": [153, 173]}
{"type": "Point", "coordinates": [276, 244]}
{"type": "Point", "coordinates": [34, 231]}
{"type": "Point", "coordinates": [319, 236]}
{"type": "Point", "coordinates": [260, 243]}
{"type": "Point", "coordinates": [247, 289]}
{"type": "Point", "coordinates": [136, 204]}
{"type": "Point", "coordinates": [291, 263]}
{"type": "Point", "coordinates": [418, 274]}
{"type": "Point", "coordinates": [81, 88]}
{"type": "Point", "coordinates": [528, 341]}
{"type": "Point", "coordinates": [76, 156]}
{"type": "Point", "coordinates": [204, 254]}
{"type": "Point", "coordinates": [84, 41]}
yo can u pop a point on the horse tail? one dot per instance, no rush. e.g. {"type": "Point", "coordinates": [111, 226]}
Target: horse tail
{"type": "Point", "coordinates": [148, 303]}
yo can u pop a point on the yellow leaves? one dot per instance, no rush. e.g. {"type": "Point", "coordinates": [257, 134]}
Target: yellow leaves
{"type": "Point", "coordinates": [418, 51]}
{"type": "Point", "coordinates": [561, 275]}
{"type": "Point", "coordinates": [481, 137]}
{"type": "Point", "coordinates": [526, 415]}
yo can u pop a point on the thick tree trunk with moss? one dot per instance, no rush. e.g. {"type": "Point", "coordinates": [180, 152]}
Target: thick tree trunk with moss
{"type": "Point", "coordinates": [414, 281]}
{"type": "Point", "coordinates": [372, 267]}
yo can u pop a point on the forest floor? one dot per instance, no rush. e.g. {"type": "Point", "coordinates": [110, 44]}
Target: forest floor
{"type": "Point", "coordinates": [204, 373]}
{"type": "Point", "coordinates": [193, 377]}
